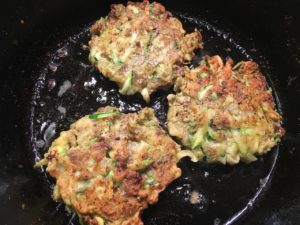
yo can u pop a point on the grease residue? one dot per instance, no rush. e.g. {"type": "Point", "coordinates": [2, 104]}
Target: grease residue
{"type": "Point", "coordinates": [64, 88]}
{"type": "Point", "coordinates": [49, 134]}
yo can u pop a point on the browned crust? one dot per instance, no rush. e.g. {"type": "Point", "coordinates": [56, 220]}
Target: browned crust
{"type": "Point", "coordinates": [224, 113]}
{"type": "Point", "coordinates": [109, 164]}
{"type": "Point", "coordinates": [244, 82]}
{"type": "Point", "coordinates": [158, 54]}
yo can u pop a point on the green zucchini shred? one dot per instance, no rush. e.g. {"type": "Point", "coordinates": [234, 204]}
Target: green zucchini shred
{"type": "Point", "coordinates": [94, 139]}
{"type": "Point", "coordinates": [103, 115]}
{"type": "Point", "coordinates": [198, 137]}
{"type": "Point", "coordinates": [40, 163]}
{"type": "Point", "coordinates": [150, 181]}
{"type": "Point", "coordinates": [127, 84]}
{"type": "Point", "coordinates": [82, 186]}
{"type": "Point", "coordinates": [202, 74]}
{"type": "Point", "coordinates": [100, 220]}
{"type": "Point", "coordinates": [214, 96]}
{"type": "Point", "coordinates": [203, 91]}
{"type": "Point", "coordinates": [135, 11]}
{"type": "Point", "coordinates": [94, 56]}
{"type": "Point", "coordinates": [237, 66]}
{"type": "Point", "coordinates": [145, 164]}
{"type": "Point", "coordinates": [63, 151]}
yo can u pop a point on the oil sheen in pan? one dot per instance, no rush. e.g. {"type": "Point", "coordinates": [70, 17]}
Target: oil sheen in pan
{"type": "Point", "coordinates": [68, 87]}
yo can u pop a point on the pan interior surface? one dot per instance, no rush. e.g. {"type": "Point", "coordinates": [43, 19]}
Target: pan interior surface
{"type": "Point", "coordinates": [68, 87]}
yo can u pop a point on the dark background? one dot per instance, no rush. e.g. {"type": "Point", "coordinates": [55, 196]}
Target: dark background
{"type": "Point", "coordinates": [27, 28]}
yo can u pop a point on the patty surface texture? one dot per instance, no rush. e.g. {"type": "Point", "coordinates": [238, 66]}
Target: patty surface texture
{"type": "Point", "coordinates": [141, 47]}
{"type": "Point", "coordinates": [109, 166]}
{"type": "Point", "coordinates": [224, 113]}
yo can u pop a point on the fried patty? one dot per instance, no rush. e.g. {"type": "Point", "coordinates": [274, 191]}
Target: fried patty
{"type": "Point", "coordinates": [109, 166]}
{"type": "Point", "coordinates": [224, 113]}
{"type": "Point", "coordinates": [141, 47]}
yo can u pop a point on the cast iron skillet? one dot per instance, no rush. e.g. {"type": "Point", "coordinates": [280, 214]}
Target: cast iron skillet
{"type": "Point", "coordinates": [42, 57]}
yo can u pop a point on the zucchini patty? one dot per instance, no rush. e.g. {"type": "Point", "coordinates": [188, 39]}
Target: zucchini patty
{"type": "Point", "coordinates": [141, 47]}
{"type": "Point", "coordinates": [223, 113]}
{"type": "Point", "coordinates": [109, 166]}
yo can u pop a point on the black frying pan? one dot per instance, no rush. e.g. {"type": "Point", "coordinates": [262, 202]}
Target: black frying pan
{"type": "Point", "coordinates": [47, 83]}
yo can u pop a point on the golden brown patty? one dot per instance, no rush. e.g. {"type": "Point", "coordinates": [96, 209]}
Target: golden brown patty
{"type": "Point", "coordinates": [141, 47]}
{"type": "Point", "coordinates": [109, 166]}
{"type": "Point", "coordinates": [224, 113]}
